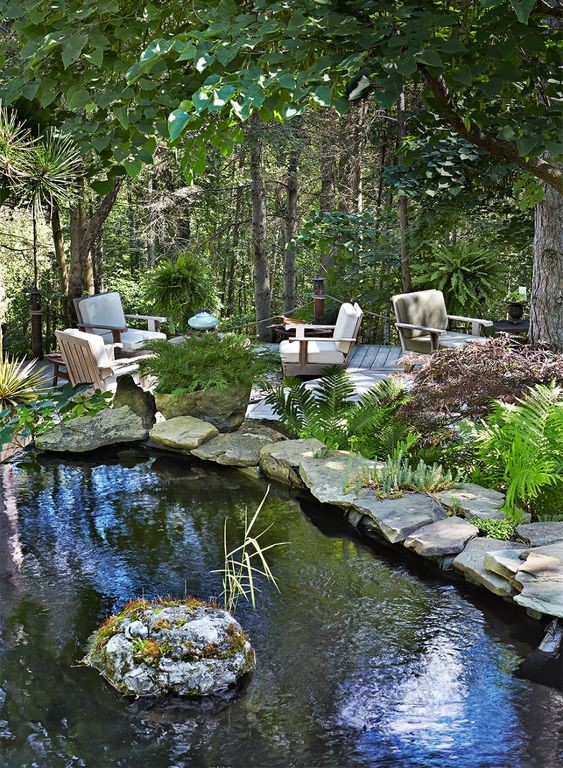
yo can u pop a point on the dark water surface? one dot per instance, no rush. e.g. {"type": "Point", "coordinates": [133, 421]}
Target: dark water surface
{"type": "Point", "coordinates": [361, 661]}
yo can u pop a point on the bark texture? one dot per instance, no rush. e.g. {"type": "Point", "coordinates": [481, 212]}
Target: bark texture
{"type": "Point", "coordinates": [289, 255]}
{"type": "Point", "coordinates": [546, 300]}
{"type": "Point", "coordinates": [262, 295]}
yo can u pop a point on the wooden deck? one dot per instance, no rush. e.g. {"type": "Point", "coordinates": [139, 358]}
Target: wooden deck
{"type": "Point", "coordinates": [374, 357]}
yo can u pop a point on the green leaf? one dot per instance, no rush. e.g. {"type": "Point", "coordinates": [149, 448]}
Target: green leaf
{"type": "Point", "coordinates": [79, 98]}
{"type": "Point", "coordinates": [72, 49]}
{"type": "Point", "coordinates": [323, 95]}
{"type": "Point", "coordinates": [201, 101]}
{"type": "Point", "coordinates": [101, 142]}
{"type": "Point", "coordinates": [523, 8]}
{"type": "Point", "coordinates": [429, 57]}
{"type": "Point", "coordinates": [188, 53]}
{"type": "Point", "coordinates": [133, 167]}
{"type": "Point", "coordinates": [102, 187]}
{"type": "Point", "coordinates": [525, 144]}
{"type": "Point", "coordinates": [176, 123]}
{"type": "Point", "coordinates": [121, 115]}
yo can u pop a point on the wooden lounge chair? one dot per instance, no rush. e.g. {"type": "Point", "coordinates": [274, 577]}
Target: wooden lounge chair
{"type": "Point", "coordinates": [423, 321]}
{"type": "Point", "coordinates": [103, 314]}
{"type": "Point", "coordinates": [89, 361]}
{"type": "Point", "coordinates": [309, 356]}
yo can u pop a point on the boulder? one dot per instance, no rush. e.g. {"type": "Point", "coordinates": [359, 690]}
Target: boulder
{"type": "Point", "coordinates": [471, 500]}
{"type": "Point", "coordinates": [87, 433]}
{"type": "Point", "coordinates": [442, 538]}
{"type": "Point", "coordinates": [541, 580]}
{"type": "Point", "coordinates": [180, 647]}
{"type": "Point", "coordinates": [234, 449]}
{"type": "Point", "coordinates": [224, 408]}
{"type": "Point", "coordinates": [281, 461]}
{"type": "Point", "coordinates": [183, 433]}
{"type": "Point", "coordinates": [471, 563]}
{"type": "Point", "coordinates": [327, 477]}
{"type": "Point", "coordinates": [140, 401]}
{"type": "Point", "coordinates": [539, 534]}
{"type": "Point", "coordinates": [397, 519]}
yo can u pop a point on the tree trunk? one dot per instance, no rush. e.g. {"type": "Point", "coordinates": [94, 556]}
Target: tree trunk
{"type": "Point", "coordinates": [546, 300]}
{"type": "Point", "coordinates": [326, 197]}
{"type": "Point", "coordinates": [98, 264]}
{"type": "Point", "coordinates": [289, 254]}
{"type": "Point", "coordinates": [262, 296]}
{"type": "Point", "coordinates": [402, 203]}
{"type": "Point", "coordinates": [151, 235]}
{"type": "Point", "coordinates": [59, 246]}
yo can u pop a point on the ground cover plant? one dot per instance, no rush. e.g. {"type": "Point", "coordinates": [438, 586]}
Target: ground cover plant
{"type": "Point", "coordinates": [205, 362]}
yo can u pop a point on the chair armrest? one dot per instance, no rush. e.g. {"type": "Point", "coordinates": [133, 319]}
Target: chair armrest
{"type": "Point", "coordinates": [319, 338]}
{"type": "Point", "coordinates": [485, 323]}
{"type": "Point", "coordinates": [153, 321]}
{"type": "Point", "coordinates": [290, 326]}
{"type": "Point", "coordinates": [411, 327]}
{"type": "Point", "coordinates": [105, 326]}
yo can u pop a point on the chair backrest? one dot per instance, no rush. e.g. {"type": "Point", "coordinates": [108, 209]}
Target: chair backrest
{"type": "Point", "coordinates": [85, 357]}
{"type": "Point", "coordinates": [421, 308]}
{"type": "Point", "coordinates": [104, 308]}
{"type": "Point", "coordinates": [347, 325]}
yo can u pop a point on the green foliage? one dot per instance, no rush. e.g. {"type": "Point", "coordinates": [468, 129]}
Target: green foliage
{"type": "Point", "coordinates": [398, 474]}
{"type": "Point", "coordinates": [330, 415]}
{"type": "Point", "coordinates": [464, 272]}
{"type": "Point", "coordinates": [177, 289]}
{"type": "Point", "coordinates": [205, 362]}
{"type": "Point", "coordinates": [47, 409]}
{"type": "Point", "coordinates": [243, 564]}
{"type": "Point", "coordinates": [520, 447]}
{"type": "Point", "coordinates": [19, 382]}
{"type": "Point", "coordinates": [495, 529]}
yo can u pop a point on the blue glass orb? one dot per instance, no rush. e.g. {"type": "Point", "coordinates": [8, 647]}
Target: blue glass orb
{"type": "Point", "coordinates": [203, 321]}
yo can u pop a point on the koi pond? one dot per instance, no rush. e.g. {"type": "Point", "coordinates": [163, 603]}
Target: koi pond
{"type": "Point", "coordinates": [362, 660]}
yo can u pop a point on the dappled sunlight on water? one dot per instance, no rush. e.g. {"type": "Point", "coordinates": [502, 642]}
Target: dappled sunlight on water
{"type": "Point", "coordinates": [360, 661]}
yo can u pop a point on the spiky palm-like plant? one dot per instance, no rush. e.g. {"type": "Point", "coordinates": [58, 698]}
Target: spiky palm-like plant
{"type": "Point", "coordinates": [19, 382]}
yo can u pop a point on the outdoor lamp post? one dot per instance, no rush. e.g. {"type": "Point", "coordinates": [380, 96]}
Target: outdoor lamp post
{"type": "Point", "coordinates": [36, 322]}
{"type": "Point", "coordinates": [318, 300]}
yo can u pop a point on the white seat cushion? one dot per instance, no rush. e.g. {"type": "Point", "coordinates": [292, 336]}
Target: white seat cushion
{"type": "Point", "coordinates": [318, 352]}
{"type": "Point", "coordinates": [453, 339]}
{"type": "Point", "coordinates": [133, 338]}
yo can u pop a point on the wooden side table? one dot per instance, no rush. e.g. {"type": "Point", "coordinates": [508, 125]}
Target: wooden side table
{"type": "Point", "coordinates": [520, 328]}
{"type": "Point", "coordinates": [59, 367]}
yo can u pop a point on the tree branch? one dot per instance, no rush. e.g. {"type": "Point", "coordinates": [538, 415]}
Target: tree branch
{"type": "Point", "coordinates": [498, 147]}
{"type": "Point", "coordinates": [95, 224]}
{"type": "Point", "coordinates": [544, 8]}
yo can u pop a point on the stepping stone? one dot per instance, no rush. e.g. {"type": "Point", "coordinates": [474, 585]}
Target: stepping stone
{"type": "Point", "coordinates": [471, 500]}
{"type": "Point", "coordinates": [327, 477]}
{"type": "Point", "coordinates": [445, 537]}
{"type": "Point", "coordinates": [396, 519]}
{"type": "Point", "coordinates": [471, 563]}
{"type": "Point", "coordinates": [233, 449]}
{"type": "Point", "coordinates": [504, 562]}
{"type": "Point", "coordinates": [281, 461]}
{"type": "Point", "coordinates": [539, 534]}
{"type": "Point", "coordinates": [541, 579]}
{"type": "Point", "coordinates": [182, 433]}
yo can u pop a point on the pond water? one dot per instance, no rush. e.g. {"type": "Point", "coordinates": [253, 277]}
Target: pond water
{"type": "Point", "coordinates": [361, 660]}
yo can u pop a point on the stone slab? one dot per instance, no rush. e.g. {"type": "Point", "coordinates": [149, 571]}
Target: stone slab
{"type": "Point", "coordinates": [504, 562]}
{"type": "Point", "coordinates": [541, 579]}
{"type": "Point", "coordinates": [326, 477]}
{"type": "Point", "coordinates": [444, 537]}
{"type": "Point", "coordinates": [471, 500]}
{"type": "Point", "coordinates": [281, 461]}
{"type": "Point", "coordinates": [182, 433]}
{"type": "Point", "coordinates": [233, 449]}
{"type": "Point", "coordinates": [112, 426]}
{"type": "Point", "coordinates": [539, 534]}
{"type": "Point", "coordinates": [256, 428]}
{"type": "Point", "coordinates": [471, 563]}
{"type": "Point", "coordinates": [396, 519]}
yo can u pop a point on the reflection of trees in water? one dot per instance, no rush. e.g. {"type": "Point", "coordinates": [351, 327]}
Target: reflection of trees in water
{"type": "Point", "coordinates": [11, 556]}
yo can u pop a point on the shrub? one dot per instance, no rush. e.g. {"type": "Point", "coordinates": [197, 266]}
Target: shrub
{"type": "Point", "coordinates": [454, 384]}
{"type": "Point", "coordinates": [19, 382]}
{"type": "Point", "coordinates": [520, 447]}
{"type": "Point", "coordinates": [178, 289]}
{"type": "Point", "coordinates": [329, 414]}
{"type": "Point", "coordinates": [206, 362]}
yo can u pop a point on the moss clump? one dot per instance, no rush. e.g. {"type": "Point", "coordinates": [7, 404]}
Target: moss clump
{"type": "Point", "coordinates": [150, 651]}
{"type": "Point", "coordinates": [237, 639]}
{"type": "Point", "coordinates": [496, 529]}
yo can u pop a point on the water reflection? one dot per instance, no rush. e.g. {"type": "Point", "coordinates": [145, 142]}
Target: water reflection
{"type": "Point", "coordinates": [360, 663]}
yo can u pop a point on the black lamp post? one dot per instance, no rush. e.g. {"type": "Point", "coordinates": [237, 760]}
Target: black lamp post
{"type": "Point", "coordinates": [318, 299]}
{"type": "Point", "coordinates": [36, 322]}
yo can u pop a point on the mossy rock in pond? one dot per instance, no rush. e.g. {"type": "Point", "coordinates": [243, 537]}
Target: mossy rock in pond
{"type": "Point", "coordinates": [182, 647]}
{"type": "Point", "coordinates": [224, 408]}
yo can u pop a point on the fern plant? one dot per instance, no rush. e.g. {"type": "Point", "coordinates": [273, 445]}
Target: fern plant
{"type": "Point", "coordinates": [369, 426]}
{"type": "Point", "coordinates": [520, 446]}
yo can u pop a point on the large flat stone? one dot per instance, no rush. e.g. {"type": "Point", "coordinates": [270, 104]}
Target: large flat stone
{"type": "Point", "coordinates": [111, 426]}
{"type": "Point", "coordinates": [396, 519]}
{"type": "Point", "coordinates": [183, 433]}
{"type": "Point", "coordinates": [539, 534]}
{"type": "Point", "coordinates": [444, 537]}
{"type": "Point", "coordinates": [233, 449]}
{"type": "Point", "coordinates": [281, 461]}
{"type": "Point", "coordinates": [471, 500]}
{"type": "Point", "coordinates": [541, 579]}
{"type": "Point", "coordinates": [504, 562]}
{"type": "Point", "coordinates": [327, 477]}
{"type": "Point", "coordinates": [471, 563]}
